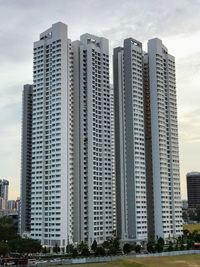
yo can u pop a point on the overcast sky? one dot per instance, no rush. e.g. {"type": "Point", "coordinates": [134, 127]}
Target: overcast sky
{"type": "Point", "coordinates": [176, 22]}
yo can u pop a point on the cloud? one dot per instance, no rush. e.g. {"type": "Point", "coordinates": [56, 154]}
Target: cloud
{"type": "Point", "coordinates": [189, 128]}
{"type": "Point", "coordinates": [146, 19]}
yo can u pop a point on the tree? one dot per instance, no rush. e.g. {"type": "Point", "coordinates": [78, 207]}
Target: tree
{"type": "Point", "coordinates": [176, 247]}
{"type": "Point", "coordinates": [11, 241]}
{"type": "Point", "coordinates": [44, 250]}
{"type": "Point", "coordinates": [94, 245]}
{"type": "Point", "coordinates": [137, 248]}
{"type": "Point", "coordinates": [186, 232]}
{"type": "Point", "coordinates": [25, 245]}
{"type": "Point", "coordinates": [161, 241]}
{"type": "Point", "coordinates": [85, 252]}
{"type": "Point", "coordinates": [100, 251]}
{"type": "Point", "coordinates": [7, 229]}
{"type": "Point", "coordinates": [198, 214]}
{"type": "Point", "coordinates": [74, 253]}
{"type": "Point", "coordinates": [192, 215]}
{"type": "Point", "coordinates": [114, 248]}
{"type": "Point", "coordinates": [69, 248]}
{"type": "Point", "coordinates": [4, 249]}
{"type": "Point", "coordinates": [127, 248]}
{"type": "Point", "coordinates": [56, 248]}
{"type": "Point", "coordinates": [185, 216]}
{"type": "Point", "coordinates": [82, 248]}
{"type": "Point", "coordinates": [159, 246]}
{"type": "Point", "coordinates": [115, 243]}
{"type": "Point", "coordinates": [170, 247]}
{"type": "Point", "coordinates": [106, 244]}
{"type": "Point", "coordinates": [151, 246]}
{"type": "Point", "coordinates": [196, 236]}
{"type": "Point", "coordinates": [190, 244]}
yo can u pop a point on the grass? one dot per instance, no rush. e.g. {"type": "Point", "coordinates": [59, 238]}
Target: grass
{"type": "Point", "coordinates": [191, 227]}
{"type": "Point", "coordinates": [173, 261]}
{"type": "Point", "coordinates": [117, 263]}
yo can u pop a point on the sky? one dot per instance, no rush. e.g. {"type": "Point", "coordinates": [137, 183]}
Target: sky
{"type": "Point", "coordinates": [177, 23]}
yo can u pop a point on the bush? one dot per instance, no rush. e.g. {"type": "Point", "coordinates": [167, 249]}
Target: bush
{"type": "Point", "coordinates": [85, 252]}
{"type": "Point", "coordinates": [137, 248]}
{"type": "Point", "coordinates": [56, 248]}
{"type": "Point", "coordinates": [170, 247]}
{"type": "Point", "coordinates": [94, 246]}
{"type": "Point", "coordinates": [74, 253]}
{"type": "Point", "coordinates": [100, 251]}
{"type": "Point", "coordinates": [151, 247]}
{"type": "Point", "coordinates": [126, 248]}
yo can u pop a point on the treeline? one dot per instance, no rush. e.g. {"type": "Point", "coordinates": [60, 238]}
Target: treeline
{"type": "Point", "coordinates": [10, 241]}
{"type": "Point", "coordinates": [187, 241]}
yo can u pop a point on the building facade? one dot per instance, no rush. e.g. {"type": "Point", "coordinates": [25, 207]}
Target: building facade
{"type": "Point", "coordinates": [131, 201]}
{"type": "Point", "coordinates": [12, 205]}
{"type": "Point", "coordinates": [26, 155]}
{"type": "Point", "coordinates": [52, 167]}
{"type": "Point", "coordinates": [193, 189]}
{"type": "Point", "coordinates": [4, 184]}
{"type": "Point", "coordinates": [146, 142]}
{"type": "Point", "coordinates": [163, 183]}
{"type": "Point", "coordinates": [71, 164]}
{"type": "Point", "coordinates": [93, 177]}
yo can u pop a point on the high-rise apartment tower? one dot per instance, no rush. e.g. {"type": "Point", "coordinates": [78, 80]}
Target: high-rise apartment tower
{"type": "Point", "coordinates": [93, 177]}
{"type": "Point", "coordinates": [130, 142]}
{"type": "Point", "coordinates": [52, 166]}
{"type": "Point", "coordinates": [146, 142]}
{"type": "Point", "coordinates": [163, 185]}
{"type": "Point", "coordinates": [71, 149]}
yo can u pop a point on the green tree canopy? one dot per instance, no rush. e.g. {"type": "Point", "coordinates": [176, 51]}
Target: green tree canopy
{"type": "Point", "coordinates": [127, 248]}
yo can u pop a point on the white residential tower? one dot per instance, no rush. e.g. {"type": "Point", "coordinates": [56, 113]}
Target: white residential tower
{"type": "Point", "coordinates": [131, 201]}
{"type": "Point", "coordinates": [52, 165]}
{"type": "Point", "coordinates": [93, 177]}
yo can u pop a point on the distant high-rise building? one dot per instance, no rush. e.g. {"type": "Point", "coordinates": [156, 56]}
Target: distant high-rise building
{"type": "Point", "coordinates": [12, 205]}
{"type": "Point", "coordinates": [162, 151]}
{"type": "Point", "coordinates": [3, 204]}
{"type": "Point", "coordinates": [193, 189]}
{"type": "Point", "coordinates": [26, 162]}
{"type": "Point", "coordinates": [4, 184]}
{"type": "Point", "coordinates": [4, 188]}
{"type": "Point", "coordinates": [93, 216]}
{"type": "Point", "coordinates": [130, 142]}
{"type": "Point", "coordinates": [184, 204]}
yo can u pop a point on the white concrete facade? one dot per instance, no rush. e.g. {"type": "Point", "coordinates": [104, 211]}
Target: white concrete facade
{"type": "Point", "coordinates": [93, 146]}
{"type": "Point", "coordinates": [51, 139]}
{"type": "Point", "coordinates": [131, 202]}
{"type": "Point", "coordinates": [164, 135]}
